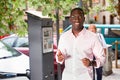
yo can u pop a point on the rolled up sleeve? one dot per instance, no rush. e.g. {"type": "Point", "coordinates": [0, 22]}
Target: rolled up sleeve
{"type": "Point", "coordinates": [98, 53]}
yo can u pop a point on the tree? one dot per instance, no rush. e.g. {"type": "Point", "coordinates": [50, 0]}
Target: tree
{"type": "Point", "coordinates": [11, 17]}
{"type": "Point", "coordinates": [117, 7]}
{"type": "Point", "coordinates": [12, 12]}
{"type": "Point", "coordinates": [48, 7]}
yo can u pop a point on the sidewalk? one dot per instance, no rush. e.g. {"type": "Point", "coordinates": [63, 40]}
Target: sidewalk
{"type": "Point", "coordinates": [114, 76]}
{"type": "Point", "coordinates": [116, 72]}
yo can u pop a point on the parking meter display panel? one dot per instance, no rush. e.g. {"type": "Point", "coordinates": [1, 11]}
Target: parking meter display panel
{"type": "Point", "coordinates": [47, 39]}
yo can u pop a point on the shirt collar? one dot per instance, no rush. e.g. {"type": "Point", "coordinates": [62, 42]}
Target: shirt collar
{"type": "Point", "coordinates": [80, 33]}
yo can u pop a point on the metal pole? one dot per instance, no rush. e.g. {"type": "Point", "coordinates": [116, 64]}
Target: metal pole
{"type": "Point", "coordinates": [57, 28]}
{"type": "Point", "coordinates": [57, 23]}
{"type": "Point", "coordinates": [116, 54]}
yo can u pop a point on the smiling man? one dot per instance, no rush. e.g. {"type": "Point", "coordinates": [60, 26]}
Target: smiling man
{"type": "Point", "coordinates": [76, 49]}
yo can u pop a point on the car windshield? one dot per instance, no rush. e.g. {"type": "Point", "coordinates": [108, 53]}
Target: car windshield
{"type": "Point", "coordinates": [15, 41]}
{"type": "Point", "coordinates": [10, 40]}
{"type": "Point", "coordinates": [22, 42]}
{"type": "Point", "coordinates": [6, 51]}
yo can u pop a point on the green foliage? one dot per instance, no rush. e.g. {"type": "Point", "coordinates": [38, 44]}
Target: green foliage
{"type": "Point", "coordinates": [95, 9]}
{"type": "Point", "coordinates": [111, 7]}
{"type": "Point", "coordinates": [48, 7]}
{"type": "Point", "coordinates": [99, 7]}
{"type": "Point", "coordinates": [11, 13]}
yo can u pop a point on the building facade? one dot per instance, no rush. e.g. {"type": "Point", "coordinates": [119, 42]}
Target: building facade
{"type": "Point", "coordinates": [104, 16]}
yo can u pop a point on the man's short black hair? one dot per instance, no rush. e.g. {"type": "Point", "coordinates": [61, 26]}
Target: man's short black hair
{"type": "Point", "coordinates": [78, 8]}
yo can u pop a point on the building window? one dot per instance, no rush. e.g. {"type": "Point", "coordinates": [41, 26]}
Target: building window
{"type": "Point", "coordinates": [111, 19]}
{"type": "Point", "coordinates": [104, 20]}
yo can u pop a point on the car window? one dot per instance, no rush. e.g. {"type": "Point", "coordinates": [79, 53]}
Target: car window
{"type": "Point", "coordinates": [6, 51]}
{"type": "Point", "coordinates": [99, 30]}
{"type": "Point", "coordinates": [9, 40]}
{"type": "Point", "coordinates": [112, 32]}
{"type": "Point", "coordinates": [22, 42]}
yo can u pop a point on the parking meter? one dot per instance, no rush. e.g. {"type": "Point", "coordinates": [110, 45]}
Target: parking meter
{"type": "Point", "coordinates": [40, 46]}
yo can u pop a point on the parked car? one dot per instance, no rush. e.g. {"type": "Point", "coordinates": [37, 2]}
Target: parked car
{"type": "Point", "coordinates": [21, 44]}
{"type": "Point", "coordinates": [12, 60]}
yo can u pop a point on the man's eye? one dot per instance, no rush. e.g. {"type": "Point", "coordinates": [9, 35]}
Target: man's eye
{"type": "Point", "coordinates": [72, 16]}
{"type": "Point", "coordinates": [76, 17]}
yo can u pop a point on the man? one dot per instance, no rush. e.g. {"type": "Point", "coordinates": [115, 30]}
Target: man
{"type": "Point", "coordinates": [76, 49]}
{"type": "Point", "coordinates": [92, 28]}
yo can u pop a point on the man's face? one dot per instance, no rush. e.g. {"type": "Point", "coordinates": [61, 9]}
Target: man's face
{"type": "Point", "coordinates": [77, 19]}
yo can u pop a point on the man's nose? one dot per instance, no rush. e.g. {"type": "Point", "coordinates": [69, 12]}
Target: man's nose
{"type": "Point", "coordinates": [77, 19]}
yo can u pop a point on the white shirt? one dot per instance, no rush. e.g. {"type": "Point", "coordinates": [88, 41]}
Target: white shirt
{"type": "Point", "coordinates": [102, 40]}
{"type": "Point", "coordinates": [85, 45]}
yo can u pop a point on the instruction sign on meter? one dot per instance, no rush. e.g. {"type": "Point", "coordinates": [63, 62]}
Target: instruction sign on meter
{"type": "Point", "coordinates": [47, 40]}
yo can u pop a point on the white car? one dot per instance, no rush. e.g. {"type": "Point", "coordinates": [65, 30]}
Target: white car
{"type": "Point", "coordinates": [12, 60]}
{"type": "Point", "coordinates": [19, 43]}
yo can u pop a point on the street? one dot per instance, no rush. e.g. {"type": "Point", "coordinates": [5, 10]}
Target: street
{"type": "Point", "coordinates": [17, 78]}
{"type": "Point", "coordinates": [114, 76]}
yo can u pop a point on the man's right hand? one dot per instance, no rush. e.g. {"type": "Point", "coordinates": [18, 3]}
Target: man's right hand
{"type": "Point", "coordinates": [60, 56]}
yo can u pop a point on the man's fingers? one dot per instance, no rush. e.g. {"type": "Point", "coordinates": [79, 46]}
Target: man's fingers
{"type": "Point", "coordinates": [86, 62]}
{"type": "Point", "coordinates": [59, 53]}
